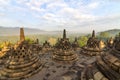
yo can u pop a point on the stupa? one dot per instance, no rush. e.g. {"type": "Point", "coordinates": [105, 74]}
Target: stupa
{"type": "Point", "coordinates": [37, 48]}
{"type": "Point", "coordinates": [46, 47]}
{"type": "Point", "coordinates": [75, 44]}
{"type": "Point", "coordinates": [63, 51]}
{"type": "Point", "coordinates": [107, 65]}
{"type": "Point", "coordinates": [22, 62]}
{"type": "Point", "coordinates": [93, 47]}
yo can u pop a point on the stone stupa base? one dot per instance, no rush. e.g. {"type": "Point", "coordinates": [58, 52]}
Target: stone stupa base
{"type": "Point", "coordinates": [20, 70]}
{"type": "Point", "coordinates": [64, 56]}
{"type": "Point", "coordinates": [90, 51]}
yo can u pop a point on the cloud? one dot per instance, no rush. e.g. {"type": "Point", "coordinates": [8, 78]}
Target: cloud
{"type": "Point", "coordinates": [68, 16]}
{"type": "Point", "coordinates": [33, 5]}
{"type": "Point", "coordinates": [114, 0]}
{"type": "Point", "coordinates": [93, 5]}
{"type": "Point", "coordinates": [59, 4]}
{"type": "Point", "coordinates": [75, 14]}
{"type": "Point", "coordinates": [2, 14]}
{"type": "Point", "coordinates": [58, 14]}
{"type": "Point", "coordinates": [36, 9]}
{"type": "Point", "coordinates": [101, 23]}
{"type": "Point", "coordinates": [48, 16]}
{"type": "Point", "coordinates": [4, 2]}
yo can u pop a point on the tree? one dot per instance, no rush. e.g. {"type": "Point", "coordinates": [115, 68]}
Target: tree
{"type": "Point", "coordinates": [29, 40]}
{"type": "Point", "coordinates": [104, 35]}
{"type": "Point", "coordinates": [52, 41]}
{"type": "Point", "coordinates": [82, 41]}
{"type": "Point", "coordinates": [6, 43]}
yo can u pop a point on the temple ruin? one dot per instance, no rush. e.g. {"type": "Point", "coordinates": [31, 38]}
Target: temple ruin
{"type": "Point", "coordinates": [32, 61]}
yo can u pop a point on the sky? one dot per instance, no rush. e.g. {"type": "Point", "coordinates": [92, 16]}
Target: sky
{"type": "Point", "coordinates": [50, 15]}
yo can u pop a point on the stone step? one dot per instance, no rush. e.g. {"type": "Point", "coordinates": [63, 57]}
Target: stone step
{"type": "Point", "coordinates": [22, 65]}
{"type": "Point", "coordinates": [23, 77]}
{"type": "Point", "coordinates": [112, 62]}
{"type": "Point", "coordinates": [18, 69]}
{"type": "Point", "coordinates": [65, 58]}
{"type": "Point", "coordinates": [115, 53]}
{"type": "Point", "coordinates": [92, 73]}
{"type": "Point", "coordinates": [106, 70]}
{"type": "Point", "coordinates": [32, 69]}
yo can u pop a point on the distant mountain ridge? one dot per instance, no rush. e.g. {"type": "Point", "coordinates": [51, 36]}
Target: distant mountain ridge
{"type": "Point", "coordinates": [112, 32]}
{"type": "Point", "coordinates": [10, 31]}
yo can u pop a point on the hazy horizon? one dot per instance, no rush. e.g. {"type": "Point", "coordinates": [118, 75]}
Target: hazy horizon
{"type": "Point", "coordinates": [55, 15]}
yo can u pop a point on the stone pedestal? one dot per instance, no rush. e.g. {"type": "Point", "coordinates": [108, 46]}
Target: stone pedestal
{"type": "Point", "coordinates": [65, 56]}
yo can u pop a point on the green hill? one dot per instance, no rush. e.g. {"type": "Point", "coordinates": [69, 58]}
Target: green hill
{"type": "Point", "coordinates": [112, 32]}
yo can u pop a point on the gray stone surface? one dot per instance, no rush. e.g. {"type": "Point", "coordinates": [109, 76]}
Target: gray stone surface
{"type": "Point", "coordinates": [54, 70]}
